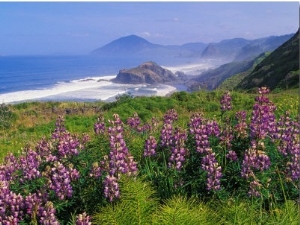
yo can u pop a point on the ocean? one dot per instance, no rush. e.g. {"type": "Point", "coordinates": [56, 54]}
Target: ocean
{"type": "Point", "coordinates": [79, 78]}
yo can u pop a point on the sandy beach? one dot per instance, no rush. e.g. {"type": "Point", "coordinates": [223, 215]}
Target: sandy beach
{"type": "Point", "coordinates": [99, 88]}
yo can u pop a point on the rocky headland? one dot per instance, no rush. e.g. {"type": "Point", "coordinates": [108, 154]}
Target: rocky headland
{"type": "Point", "coordinates": [146, 73]}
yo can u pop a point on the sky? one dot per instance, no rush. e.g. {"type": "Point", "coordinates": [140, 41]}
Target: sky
{"type": "Point", "coordinates": [32, 28]}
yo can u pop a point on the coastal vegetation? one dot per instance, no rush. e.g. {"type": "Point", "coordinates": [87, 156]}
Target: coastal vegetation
{"type": "Point", "coordinates": [207, 157]}
{"type": "Point", "coordinates": [279, 70]}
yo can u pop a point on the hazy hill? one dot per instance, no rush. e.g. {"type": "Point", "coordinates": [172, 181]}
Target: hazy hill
{"type": "Point", "coordinates": [148, 72]}
{"type": "Point", "coordinates": [261, 45]}
{"type": "Point", "coordinates": [232, 82]}
{"type": "Point", "coordinates": [280, 69]}
{"type": "Point", "coordinates": [236, 49]}
{"type": "Point", "coordinates": [226, 49]}
{"type": "Point", "coordinates": [136, 45]}
{"type": "Point", "coordinates": [211, 79]}
{"type": "Point", "coordinates": [131, 43]}
{"type": "Point", "coordinates": [239, 49]}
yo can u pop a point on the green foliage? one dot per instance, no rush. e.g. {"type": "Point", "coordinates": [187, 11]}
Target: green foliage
{"type": "Point", "coordinates": [237, 212]}
{"type": "Point", "coordinates": [180, 210]}
{"type": "Point", "coordinates": [79, 123]}
{"type": "Point", "coordinates": [211, 79]}
{"type": "Point", "coordinates": [6, 116]}
{"type": "Point", "coordinates": [155, 196]}
{"type": "Point", "coordinates": [279, 70]}
{"type": "Point", "coordinates": [136, 207]}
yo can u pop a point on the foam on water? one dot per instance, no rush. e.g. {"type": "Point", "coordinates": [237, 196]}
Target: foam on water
{"type": "Point", "coordinates": [194, 68]}
{"type": "Point", "coordinates": [87, 89]}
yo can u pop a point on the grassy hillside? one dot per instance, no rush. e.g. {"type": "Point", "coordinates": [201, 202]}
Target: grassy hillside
{"type": "Point", "coordinates": [232, 82]}
{"type": "Point", "coordinates": [211, 79]}
{"type": "Point", "coordinates": [279, 70]}
{"type": "Point", "coordinates": [30, 121]}
{"type": "Point", "coordinates": [96, 162]}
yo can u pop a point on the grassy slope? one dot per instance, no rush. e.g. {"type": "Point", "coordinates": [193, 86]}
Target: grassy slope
{"type": "Point", "coordinates": [36, 120]}
{"type": "Point", "coordinates": [279, 70]}
{"type": "Point", "coordinates": [232, 82]}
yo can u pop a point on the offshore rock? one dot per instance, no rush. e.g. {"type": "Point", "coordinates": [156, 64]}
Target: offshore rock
{"type": "Point", "coordinates": [146, 73]}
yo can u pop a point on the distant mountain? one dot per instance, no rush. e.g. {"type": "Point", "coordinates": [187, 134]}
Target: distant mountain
{"type": "Point", "coordinates": [226, 49]}
{"type": "Point", "coordinates": [236, 49]}
{"type": "Point", "coordinates": [134, 45]}
{"type": "Point", "coordinates": [279, 70]}
{"type": "Point", "coordinates": [211, 79]}
{"type": "Point", "coordinates": [128, 44]}
{"type": "Point", "coordinates": [148, 73]}
{"type": "Point", "coordinates": [258, 46]}
{"type": "Point", "coordinates": [232, 82]}
{"type": "Point", "coordinates": [239, 49]}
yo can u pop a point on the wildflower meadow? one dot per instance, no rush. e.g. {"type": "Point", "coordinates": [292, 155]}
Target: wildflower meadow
{"type": "Point", "coordinates": [235, 168]}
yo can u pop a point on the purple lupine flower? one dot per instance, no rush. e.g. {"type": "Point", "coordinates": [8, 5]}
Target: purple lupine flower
{"type": "Point", "coordinates": [119, 160]}
{"type": "Point", "coordinates": [111, 188]}
{"type": "Point", "coordinates": [201, 137]}
{"type": "Point", "coordinates": [201, 130]}
{"type": "Point", "coordinates": [287, 132]}
{"type": "Point", "coordinates": [86, 138]}
{"type": "Point", "coordinates": [226, 102]}
{"type": "Point", "coordinates": [255, 158]}
{"type": "Point", "coordinates": [99, 127]}
{"type": "Point", "coordinates": [231, 155]}
{"type": "Point", "coordinates": [166, 135]}
{"type": "Point", "coordinates": [11, 205]}
{"type": "Point", "coordinates": [59, 127]}
{"type": "Point", "coordinates": [263, 119]}
{"type": "Point", "coordinates": [29, 164]}
{"type": "Point", "coordinates": [33, 202]}
{"type": "Point", "coordinates": [288, 135]}
{"type": "Point", "coordinates": [8, 169]}
{"type": "Point", "coordinates": [68, 145]}
{"type": "Point", "coordinates": [60, 179]}
{"type": "Point", "coordinates": [211, 166]}
{"type": "Point", "coordinates": [44, 150]}
{"type": "Point", "coordinates": [96, 170]}
{"type": "Point", "coordinates": [195, 121]}
{"type": "Point", "coordinates": [134, 121]}
{"type": "Point", "coordinates": [293, 166]}
{"type": "Point", "coordinates": [150, 146]}
{"type": "Point", "coordinates": [38, 207]}
{"type": "Point", "coordinates": [241, 127]}
{"type": "Point", "coordinates": [254, 190]}
{"type": "Point", "coordinates": [263, 90]}
{"type": "Point", "coordinates": [132, 165]}
{"type": "Point", "coordinates": [178, 150]}
{"type": "Point", "coordinates": [167, 130]}
{"type": "Point", "coordinates": [47, 214]}
{"type": "Point", "coordinates": [83, 219]}
{"type": "Point", "coordinates": [170, 116]}
{"type": "Point", "coordinates": [213, 128]}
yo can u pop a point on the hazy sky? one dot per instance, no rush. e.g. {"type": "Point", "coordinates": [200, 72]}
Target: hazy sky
{"type": "Point", "coordinates": [80, 27]}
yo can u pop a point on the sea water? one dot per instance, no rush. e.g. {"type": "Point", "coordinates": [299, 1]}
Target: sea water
{"type": "Point", "coordinates": [75, 78]}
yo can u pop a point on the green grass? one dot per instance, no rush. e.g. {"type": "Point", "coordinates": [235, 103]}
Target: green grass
{"type": "Point", "coordinates": [140, 203]}
{"type": "Point", "coordinates": [32, 121]}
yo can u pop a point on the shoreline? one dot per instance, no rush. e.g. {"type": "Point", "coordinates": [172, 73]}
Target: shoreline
{"type": "Point", "coordinates": [100, 88]}
{"type": "Point", "coordinates": [92, 90]}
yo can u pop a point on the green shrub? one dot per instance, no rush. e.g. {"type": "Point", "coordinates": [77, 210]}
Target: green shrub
{"type": "Point", "coordinates": [136, 207]}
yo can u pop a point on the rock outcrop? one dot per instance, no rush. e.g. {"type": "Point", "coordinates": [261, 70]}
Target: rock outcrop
{"type": "Point", "coordinates": [148, 73]}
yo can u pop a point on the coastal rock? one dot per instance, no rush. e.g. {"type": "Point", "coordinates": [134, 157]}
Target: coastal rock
{"type": "Point", "coordinates": [148, 72]}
